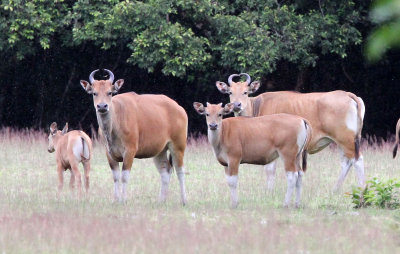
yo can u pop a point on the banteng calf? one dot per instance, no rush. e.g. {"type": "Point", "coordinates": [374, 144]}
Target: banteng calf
{"type": "Point", "coordinates": [71, 148]}
{"type": "Point", "coordinates": [257, 140]}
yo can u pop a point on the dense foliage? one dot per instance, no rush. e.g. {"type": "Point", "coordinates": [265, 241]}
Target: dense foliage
{"type": "Point", "coordinates": [377, 193]}
{"type": "Point", "coordinates": [179, 48]}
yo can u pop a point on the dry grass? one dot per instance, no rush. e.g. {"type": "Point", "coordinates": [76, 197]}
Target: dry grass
{"type": "Point", "coordinates": [32, 220]}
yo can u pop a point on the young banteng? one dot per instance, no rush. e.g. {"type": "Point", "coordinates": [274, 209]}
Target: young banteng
{"type": "Point", "coordinates": [397, 139]}
{"type": "Point", "coordinates": [71, 149]}
{"type": "Point", "coordinates": [139, 126]}
{"type": "Point", "coordinates": [257, 140]}
{"type": "Point", "coordinates": [335, 116]}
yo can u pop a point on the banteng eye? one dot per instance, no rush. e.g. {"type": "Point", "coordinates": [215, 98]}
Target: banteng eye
{"type": "Point", "coordinates": [219, 115]}
{"type": "Point", "coordinates": [245, 93]}
{"type": "Point", "coordinates": [109, 93]}
{"type": "Point", "coordinates": [207, 114]}
{"type": "Point", "coordinates": [230, 93]}
{"type": "Point", "coordinates": [94, 94]}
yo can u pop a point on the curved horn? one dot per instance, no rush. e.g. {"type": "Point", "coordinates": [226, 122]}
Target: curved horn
{"type": "Point", "coordinates": [91, 76]}
{"type": "Point", "coordinates": [231, 77]}
{"type": "Point", "coordinates": [111, 78]}
{"type": "Point", "coordinates": [248, 79]}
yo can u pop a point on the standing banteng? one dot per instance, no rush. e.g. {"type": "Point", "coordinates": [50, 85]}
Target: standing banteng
{"type": "Point", "coordinates": [71, 148]}
{"type": "Point", "coordinates": [334, 116]}
{"type": "Point", "coordinates": [139, 126]}
{"type": "Point", "coordinates": [257, 140]}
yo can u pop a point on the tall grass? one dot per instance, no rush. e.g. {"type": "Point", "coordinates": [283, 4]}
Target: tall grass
{"type": "Point", "coordinates": [33, 220]}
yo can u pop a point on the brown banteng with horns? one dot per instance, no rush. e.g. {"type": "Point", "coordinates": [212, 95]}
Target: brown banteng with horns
{"type": "Point", "coordinates": [139, 126]}
{"type": "Point", "coordinates": [335, 116]}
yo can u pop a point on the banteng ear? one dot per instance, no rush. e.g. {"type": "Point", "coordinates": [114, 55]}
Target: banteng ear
{"type": "Point", "coordinates": [253, 87]}
{"type": "Point", "coordinates": [228, 108]}
{"type": "Point", "coordinates": [117, 85]}
{"type": "Point", "coordinates": [65, 129]}
{"type": "Point", "coordinates": [53, 128]}
{"type": "Point", "coordinates": [222, 87]}
{"type": "Point", "coordinates": [199, 108]}
{"type": "Point", "coordinates": [87, 86]}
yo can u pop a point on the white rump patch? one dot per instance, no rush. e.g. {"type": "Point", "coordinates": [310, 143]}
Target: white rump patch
{"type": "Point", "coordinates": [301, 137]}
{"type": "Point", "coordinates": [351, 118]}
{"type": "Point", "coordinates": [77, 149]}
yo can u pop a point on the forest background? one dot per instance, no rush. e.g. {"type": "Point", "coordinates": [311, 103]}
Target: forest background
{"type": "Point", "coordinates": [180, 48]}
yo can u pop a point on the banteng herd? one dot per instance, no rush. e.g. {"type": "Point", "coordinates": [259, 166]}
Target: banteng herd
{"type": "Point", "coordinates": [285, 124]}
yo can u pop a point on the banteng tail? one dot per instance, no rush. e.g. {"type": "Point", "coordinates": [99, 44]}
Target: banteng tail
{"type": "Point", "coordinates": [397, 138]}
{"type": "Point", "coordinates": [306, 144]}
{"type": "Point", "coordinates": [360, 117]}
{"type": "Point", "coordinates": [85, 149]}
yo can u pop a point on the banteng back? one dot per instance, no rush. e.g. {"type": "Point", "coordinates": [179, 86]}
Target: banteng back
{"type": "Point", "coordinates": [334, 116]}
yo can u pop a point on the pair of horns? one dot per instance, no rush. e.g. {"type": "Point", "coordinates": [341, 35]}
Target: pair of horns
{"type": "Point", "coordinates": [248, 79]}
{"type": "Point", "coordinates": [91, 76]}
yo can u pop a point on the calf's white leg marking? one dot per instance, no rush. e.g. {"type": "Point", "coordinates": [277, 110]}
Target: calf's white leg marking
{"type": "Point", "coordinates": [270, 170]}
{"type": "Point", "coordinates": [232, 183]}
{"type": "Point", "coordinates": [298, 187]}
{"type": "Point", "coordinates": [291, 182]}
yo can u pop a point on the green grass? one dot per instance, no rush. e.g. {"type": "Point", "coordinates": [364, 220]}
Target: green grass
{"type": "Point", "coordinates": [32, 220]}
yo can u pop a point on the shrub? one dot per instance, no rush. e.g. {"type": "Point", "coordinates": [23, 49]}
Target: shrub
{"type": "Point", "coordinates": [377, 193]}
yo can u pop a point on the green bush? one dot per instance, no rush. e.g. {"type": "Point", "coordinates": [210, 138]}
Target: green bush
{"type": "Point", "coordinates": [377, 193]}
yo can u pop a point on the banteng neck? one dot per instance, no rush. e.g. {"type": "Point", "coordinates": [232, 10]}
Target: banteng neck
{"type": "Point", "coordinates": [214, 137]}
{"type": "Point", "coordinates": [105, 124]}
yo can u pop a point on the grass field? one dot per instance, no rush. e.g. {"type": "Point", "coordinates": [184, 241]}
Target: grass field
{"type": "Point", "coordinates": [32, 220]}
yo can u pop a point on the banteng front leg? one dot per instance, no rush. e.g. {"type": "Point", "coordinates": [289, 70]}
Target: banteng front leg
{"type": "Point", "coordinates": [270, 170]}
{"type": "Point", "coordinates": [232, 179]}
{"type": "Point", "coordinates": [114, 165]}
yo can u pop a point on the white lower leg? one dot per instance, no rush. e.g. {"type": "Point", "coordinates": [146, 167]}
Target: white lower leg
{"type": "Point", "coordinates": [116, 177]}
{"type": "Point", "coordinates": [125, 179]}
{"type": "Point", "coordinates": [181, 177]}
{"type": "Point", "coordinates": [359, 168]}
{"type": "Point", "coordinates": [165, 177]}
{"type": "Point", "coordinates": [291, 182]}
{"type": "Point", "coordinates": [298, 187]}
{"type": "Point", "coordinates": [346, 164]}
{"type": "Point", "coordinates": [270, 170]}
{"type": "Point", "coordinates": [232, 183]}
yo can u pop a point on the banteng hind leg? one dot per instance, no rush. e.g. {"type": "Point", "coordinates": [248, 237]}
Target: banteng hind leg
{"type": "Point", "coordinates": [177, 154]}
{"type": "Point", "coordinates": [162, 164]}
{"type": "Point", "coordinates": [86, 168]}
{"type": "Point", "coordinates": [348, 158]}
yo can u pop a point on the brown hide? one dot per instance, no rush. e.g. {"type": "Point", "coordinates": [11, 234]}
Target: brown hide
{"type": "Point", "coordinates": [145, 124]}
{"type": "Point", "coordinates": [326, 112]}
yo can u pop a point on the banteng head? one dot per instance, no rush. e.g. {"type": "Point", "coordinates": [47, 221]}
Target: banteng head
{"type": "Point", "coordinates": [213, 112]}
{"type": "Point", "coordinates": [54, 136]}
{"type": "Point", "coordinates": [102, 90]}
{"type": "Point", "coordinates": [238, 91]}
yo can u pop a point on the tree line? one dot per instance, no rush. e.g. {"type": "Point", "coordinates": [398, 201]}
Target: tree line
{"type": "Point", "coordinates": [181, 48]}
